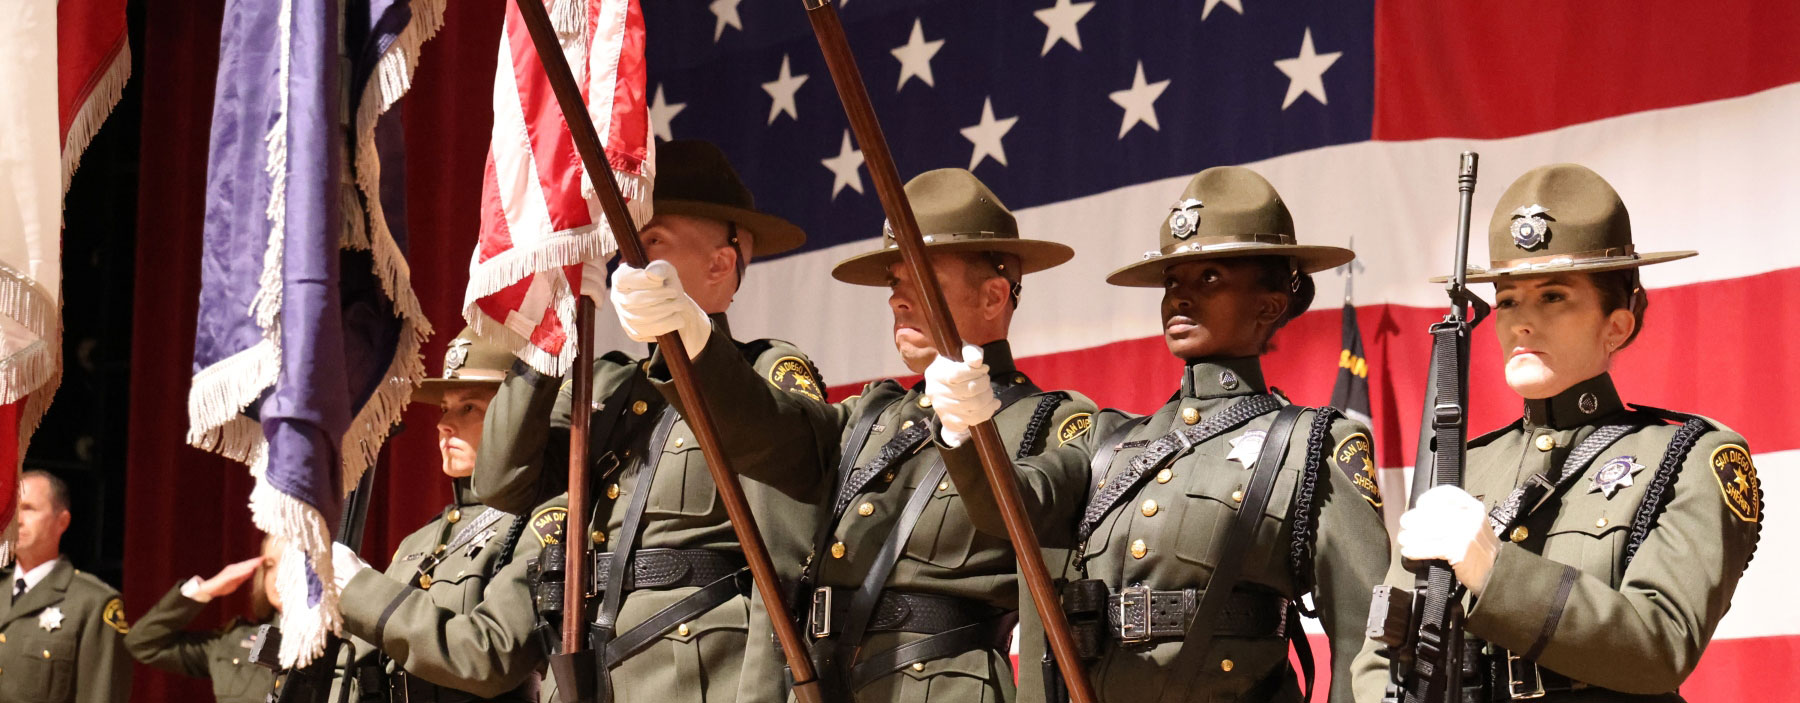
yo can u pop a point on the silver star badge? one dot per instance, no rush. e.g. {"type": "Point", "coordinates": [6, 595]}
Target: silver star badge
{"type": "Point", "coordinates": [1184, 218]}
{"type": "Point", "coordinates": [1614, 475]}
{"type": "Point", "coordinates": [1246, 448]}
{"type": "Point", "coordinates": [51, 619]}
{"type": "Point", "coordinates": [1531, 226]}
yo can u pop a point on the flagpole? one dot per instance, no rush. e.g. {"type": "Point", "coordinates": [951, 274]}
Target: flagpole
{"type": "Point", "coordinates": [994, 457]}
{"type": "Point", "coordinates": [698, 417]}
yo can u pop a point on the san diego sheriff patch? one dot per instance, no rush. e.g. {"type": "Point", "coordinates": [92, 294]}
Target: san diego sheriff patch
{"type": "Point", "coordinates": [1074, 426]}
{"type": "Point", "coordinates": [1353, 457]}
{"type": "Point", "coordinates": [1736, 474]}
{"type": "Point", "coordinates": [791, 373]}
{"type": "Point", "coordinates": [547, 525]}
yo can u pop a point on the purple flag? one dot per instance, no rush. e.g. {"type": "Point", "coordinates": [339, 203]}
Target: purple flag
{"type": "Point", "coordinates": [307, 342]}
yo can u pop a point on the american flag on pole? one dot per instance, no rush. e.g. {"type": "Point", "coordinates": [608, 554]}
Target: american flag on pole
{"type": "Point", "coordinates": [65, 67]}
{"type": "Point", "coordinates": [1087, 116]}
{"type": "Point", "coordinates": [540, 217]}
{"type": "Point", "coordinates": [307, 345]}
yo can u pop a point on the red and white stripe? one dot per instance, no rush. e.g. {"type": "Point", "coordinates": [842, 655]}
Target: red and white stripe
{"type": "Point", "coordinates": [539, 215]}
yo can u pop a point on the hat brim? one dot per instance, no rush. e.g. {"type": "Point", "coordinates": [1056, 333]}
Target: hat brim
{"type": "Point", "coordinates": [1149, 272]}
{"type": "Point", "coordinates": [871, 269]}
{"type": "Point", "coordinates": [773, 234]}
{"type": "Point", "coordinates": [1596, 266]}
{"type": "Point", "coordinates": [431, 391]}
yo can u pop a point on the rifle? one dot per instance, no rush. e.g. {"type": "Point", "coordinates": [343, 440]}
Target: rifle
{"type": "Point", "coordinates": [574, 667]}
{"type": "Point", "coordinates": [312, 683]}
{"type": "Point", "coordinates": [995, 460]}
{"type": "Point", "coordinates": [1423, 635]}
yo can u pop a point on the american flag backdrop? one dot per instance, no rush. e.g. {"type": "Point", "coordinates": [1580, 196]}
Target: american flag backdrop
{"type": "Point", "coordinates": [1087, 117]}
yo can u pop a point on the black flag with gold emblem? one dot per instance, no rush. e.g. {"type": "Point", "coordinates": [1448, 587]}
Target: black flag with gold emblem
{"type": "Point", "coordinates": [1351, 392]}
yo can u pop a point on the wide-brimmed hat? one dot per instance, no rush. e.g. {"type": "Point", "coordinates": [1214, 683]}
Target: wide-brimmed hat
{"type": "Point", "coordinates": [1227, 212]}
{"type": "Point", "coordinates": [468, 363]}
{"type": "Point", "coordinates": [1560, 218]}
{"type": "Point", "coordinates": [956, 212]}
{"type": "Point", "coordinates": [694, 178]}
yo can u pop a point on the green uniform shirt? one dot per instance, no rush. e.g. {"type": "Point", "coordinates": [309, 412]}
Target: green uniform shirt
{"type": "Point", "coordinates": [443, 614]}
{"type": "Point", "coordinates": [1167, 534]}
{"type": "Point", "coordinates": [793, 443]}
{"type": "Point", "coordinates": [63, 641]}
{"type": "Point", "coordinates": [523, 458]}
{"type": "Point", "coordinates": [160, 639]}
{"type": "Point", "coordinates": [1562, 585]}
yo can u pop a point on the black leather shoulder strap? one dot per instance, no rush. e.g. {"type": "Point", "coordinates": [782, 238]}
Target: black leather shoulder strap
{"type": "Point", "coordinates": [1108, 448]}
{"type": "Point", "coordinates": [613, 591]}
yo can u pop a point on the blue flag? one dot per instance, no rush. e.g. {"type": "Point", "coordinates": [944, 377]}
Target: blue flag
{"type": "Point", "coordinates": [306, 346]}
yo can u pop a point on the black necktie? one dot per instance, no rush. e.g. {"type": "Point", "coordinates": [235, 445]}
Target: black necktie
{"type": "Point", "coordinates": [18, 589]}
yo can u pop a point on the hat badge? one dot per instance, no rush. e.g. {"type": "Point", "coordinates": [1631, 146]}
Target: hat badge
{"type": "Point", "coordinates": [1531, 226]}
{"type": "Point", "coordinates": [456, 356]}
{"type": "Point", "coordinates": [1184, 218]}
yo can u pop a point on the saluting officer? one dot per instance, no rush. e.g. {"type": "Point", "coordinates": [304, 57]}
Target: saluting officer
{"type": "Point", "coordinates": [669, 578]}
{"type": "Point", "coordinates": [450, 620]}
{"type": "Point", "coordinates": [61, 630]}
{"type": "Point", "coordinates": [1194, 532]}
{"type": "Point", "coordinates": [223, 655]}
{"type": "Point", "coordinates": [902, 599]}
{"type": "Point", "coordinates": [1600, 542]}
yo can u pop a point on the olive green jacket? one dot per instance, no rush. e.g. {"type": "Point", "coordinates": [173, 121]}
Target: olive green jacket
{"type": "Point", "coordinates": [456, 617]}
{"type": "Point", "coordinates": [523, 460]}
{"type": "Point", "coordinates": [160, 639]}
{"type": "Point", "coordinates": [1563, 587]}
{"type": "Point", "coordinates": [793, 442]}
{"type": "Point", "coordinates": [1167, 534]}
{"type": "Point", "coordinates": [63, 641]}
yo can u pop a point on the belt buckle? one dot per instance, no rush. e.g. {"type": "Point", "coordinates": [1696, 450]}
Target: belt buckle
{"type": "Point", "coordinates": [820, 617]}
{"type": "Point", "coordinates": [1134, 614]}
{"type": "Point", "coordinates": [1520, 687]}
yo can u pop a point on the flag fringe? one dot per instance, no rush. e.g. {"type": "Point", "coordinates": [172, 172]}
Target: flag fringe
{"type": "Point", "coordinates": [34, 372]}
{"type": "Point", "coordinates": [307, 543]}
{"type": "Point", "coordinates": [565, 248]}
{"type": "Point", "coordinates": [108, 87]}
{"type": "Point", "coordinates": [219, 394]}
{"type": "Point", "coordinates": [496, 332]}
{"type": "Point", "coordinates": [569, 17]}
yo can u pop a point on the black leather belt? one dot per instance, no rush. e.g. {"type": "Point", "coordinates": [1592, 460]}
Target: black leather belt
{"type": "Point", "coordinates": [1139, 614]}
{"type": "Point", "coordinates": [1501, 675]}
{"type": "Point", "coordinates": [897, 611]}
{"type": "Point", "coordinates": [670, 568]}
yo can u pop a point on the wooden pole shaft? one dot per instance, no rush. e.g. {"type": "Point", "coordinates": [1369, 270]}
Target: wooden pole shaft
{"type": "Point", "coordinates": [698, 417]}
{"type": "Point", "coordinates": [995, 460]}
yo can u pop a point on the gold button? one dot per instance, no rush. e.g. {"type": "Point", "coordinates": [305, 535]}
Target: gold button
{"type": "Point", "coordinates": [1546, 443]}
{"type": "Point", "coordinates": [679, 441]}
{"type": "Point", "coordinates": [866, 509]}
{"type": "Point", "coordinates": [1226, 665]}
{"type": "Point", "coordinates": [612, 492]}
{"type": "Point", "coordinates": [439, 550]}
{"type": "Point", "coordinates": [1019, 378]}
{"type": "Point", "coordinates": [2, 638]}
{"type": "Point", "coordinates": [234, 661]}
{"type": "Point", "coordinates": [1164, 475]}
{"type": "Point", "coordinates": [425, 581]}
{"type": "Point", "coordinates": [1100, 485]}
{"type": "Point", "coordinates": [837, 550]}
{"type": "Point", "coordinates": [1149, 508]}
{"type": "Point", "coordinates": [943, 485]}
{"type": "Point", "coordinates": [918, 666]}
{"type": "Point", "coordinates": [889, 476]}
{"type": "Point", "coordinates": [1190, 415]}
{"type": "Point", "coordinates": [682, 629]}
{"type": "Point", "coordinates": [640, 407]}
{"type": "Point", "coordinates": [1600, 522]}
{"type": "Point", "coordinates": [906, 425]}
{"type": "Point", "coordinates": [46, 654]}
{"type": "Point", "coordinates": [925, 401]}
{"type": "Point", "coordinates": [1519, 534]}
{"type": "Point", "coordinates": [455, 514]}
{"type": "Point", "coordinates": [1138, 550]}
{"type": "Point", "coordinates": [597, 536]}
{"type": "Point", "coordinates": [1237, 496]}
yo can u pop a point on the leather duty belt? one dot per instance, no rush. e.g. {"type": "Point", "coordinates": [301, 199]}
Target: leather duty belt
{"type": "Point", "coordinates": [669, 568]}
{"type": "Point", "coordinates": [1502, 675]}
{"type": "Point", "coordinates": [1138, 614]}
{"type": "Point", "coordinates": [896, 611]}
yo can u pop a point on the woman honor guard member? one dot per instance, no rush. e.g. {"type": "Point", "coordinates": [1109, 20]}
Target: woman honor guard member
{"type": "Point", "coordinates": [223, 655]}
{"type": "Point", "coordinates": [1194, 532]}
{"type": "Point", "coordinates": [1600, 542]}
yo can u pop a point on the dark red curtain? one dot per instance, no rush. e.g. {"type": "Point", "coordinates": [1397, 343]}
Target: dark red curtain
{"type": "Point", "coordinates": [187, 513]}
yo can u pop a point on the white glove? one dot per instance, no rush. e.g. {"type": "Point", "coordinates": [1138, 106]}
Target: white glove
{"type": "Point", "coordinates": [593, 282]}
{"type": "Point", "coordinates": [960, 393]}
{"type": "Point", "coordinates": [345, 564]}
{"type": "Point", "coordinates": [1448, 524]}
{"type": "Point", "coordinates": [651, 303]}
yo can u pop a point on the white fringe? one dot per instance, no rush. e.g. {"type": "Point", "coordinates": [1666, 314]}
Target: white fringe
{"type": "Point", "coordinates": [307, 541]}
{"type": "Point", "coordinates": [93, 112]}
{"type": "Point", "coordinates": [220, 392]}
{"type": "Point", "coordinates": [569, 17]}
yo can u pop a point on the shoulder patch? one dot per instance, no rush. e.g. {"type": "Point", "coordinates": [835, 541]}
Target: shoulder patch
{"type": "Point", "coordinates": [1074, 426]}
{"type": "Point", "coordinates": [547, 525]}
{"type": "Point", "coordinates": [792, 373]}
{"type": "Point", "coordinates": [114, 615]}
{"type": "Point", "coordinates": [1736, 474]}
{"type": "Point", "coordinates": [1353, 456]}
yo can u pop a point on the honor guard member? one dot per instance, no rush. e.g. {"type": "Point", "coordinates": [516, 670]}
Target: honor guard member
{"type": "Point", "coordinates": [668, 599]}
{"type": "Point", "coordinates": [160, 638]}
{"type": "Point", "coordinates": [1195, 532]}
{"type": "Point", "coordinates": [902, 599]}
{"type": "Point", "coordinates": [1600, 542]}
{"type": "Point", "coordinates": [450, 620]}
{"type": "Point", "coordinates": [62, 631]}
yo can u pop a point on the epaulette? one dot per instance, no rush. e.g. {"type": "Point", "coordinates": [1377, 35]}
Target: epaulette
{"type": "Point", "coordinates": [1490, 436]}
{"type": "Point", "coordinates": [618, 357]}
{"type": "Point", "coordinates": [1671, 416]}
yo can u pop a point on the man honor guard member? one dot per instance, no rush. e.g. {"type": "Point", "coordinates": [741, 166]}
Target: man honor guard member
{"type": "Point", "coordinates": [61, 631]}
{"type": "Point", "coordinates": [902, 599]}
{"type": "Point", "coordinates": [1194, 532]}
{"type": "Point", "coordinates": [450, 620]}
{"type": "Point", "coordinates": [223, 655]}
{"type": "Point", "coordinates": [1600, 542]}
{"type": "Point", "coordinates": [669, 593]}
